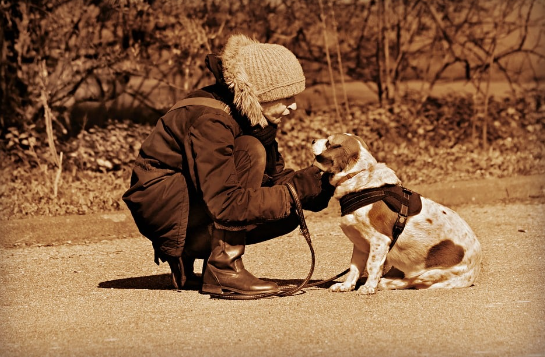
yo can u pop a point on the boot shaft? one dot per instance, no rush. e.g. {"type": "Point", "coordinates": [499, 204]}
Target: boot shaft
{"type": "Point", "coordinates": [227, 248]}
{"type": "Point", "coordinates": [225, 270]}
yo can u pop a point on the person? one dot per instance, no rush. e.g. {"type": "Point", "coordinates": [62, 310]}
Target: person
{"type": "Point", "coordinates": [209, 179]}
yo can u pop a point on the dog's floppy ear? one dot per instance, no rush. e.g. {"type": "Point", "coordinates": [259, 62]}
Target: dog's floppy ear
{"type": "Point", "coordinates": [344, 149]}
{"type": "Point", "coordinates": [363, 143]}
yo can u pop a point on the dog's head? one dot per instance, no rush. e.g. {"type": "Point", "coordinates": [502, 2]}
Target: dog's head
{"type": "Point", "coordinates": [347, 155]}
{"type": "Point", "coordinates": [341, 153]}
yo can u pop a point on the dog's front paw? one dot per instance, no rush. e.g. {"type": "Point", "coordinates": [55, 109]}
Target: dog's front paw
{"type": "Point", "coordinates": [366, 290]}
{"type": "Point", "coordinates": [343, 287]}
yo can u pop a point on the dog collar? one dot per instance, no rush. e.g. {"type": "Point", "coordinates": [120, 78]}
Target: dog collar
{"type": "Point", "coordinates": [400, 200]}
{"type": "Point", "coordinates": [348, 177]}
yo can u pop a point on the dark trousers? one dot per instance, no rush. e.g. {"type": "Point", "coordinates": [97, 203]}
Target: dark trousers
{"type": "Point", "coordinates": [250, 161]}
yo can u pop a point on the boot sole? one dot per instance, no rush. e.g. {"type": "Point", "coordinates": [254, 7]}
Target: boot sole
{"type": "Point", "coordinates": [211, 289]}
{"type": "Point", "coordinates": [218, 290]}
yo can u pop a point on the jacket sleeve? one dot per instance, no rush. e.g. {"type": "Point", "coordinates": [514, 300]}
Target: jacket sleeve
{"type": "Point", "coordinates": [230, 204]}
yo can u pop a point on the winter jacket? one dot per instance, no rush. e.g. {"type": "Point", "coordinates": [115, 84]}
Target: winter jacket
{"type": "Point", "coordinates": [186, 161]}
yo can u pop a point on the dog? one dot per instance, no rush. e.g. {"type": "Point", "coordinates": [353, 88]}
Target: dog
{"type": "Point", "coordinates": [436, 248]}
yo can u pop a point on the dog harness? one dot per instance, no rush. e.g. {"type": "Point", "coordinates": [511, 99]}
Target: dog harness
{"type": "Point", "coordinates": [400, 200]}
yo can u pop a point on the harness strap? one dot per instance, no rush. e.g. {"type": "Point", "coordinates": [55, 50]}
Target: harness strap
{"type": "Point", "coordinates": [353, 201]}
{"type": "Point", "coordinates": [400, 200]}
{"type": "Point", "coordinates": [208, 102]}
{"type": "Point", "coordinates": [402, 215]}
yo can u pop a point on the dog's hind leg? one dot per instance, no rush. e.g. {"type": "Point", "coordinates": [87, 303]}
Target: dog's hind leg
{"type": "Point", "coordinates": [439, 278]}
{"type": "Point", "coordinates": [461, 277]}
{"type": "Point", "coordinates": [446, 278]}
{"type": "Point", "coordinates": [393, 283]}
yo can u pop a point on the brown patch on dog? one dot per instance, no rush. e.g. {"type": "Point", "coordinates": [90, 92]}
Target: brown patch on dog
{"type": "Point", "coordinates": [444, 254]}
{"type": "Point", "coordinates": [429, 221]}
{"type": "Point", "coordinates": [382, 218]}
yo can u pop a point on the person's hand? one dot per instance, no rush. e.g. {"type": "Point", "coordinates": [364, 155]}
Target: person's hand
{"type": "Point", "coordinates": [307, 183]}
{"type": "Point", "coordinates": [320, 202]}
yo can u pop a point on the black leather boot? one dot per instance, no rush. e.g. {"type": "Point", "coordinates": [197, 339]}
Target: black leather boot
{"type": "Point", "coordinates": [177, 272]}
{"type": "Point", "coordinates": [197, 246]}
{"type": "Point", "coordinates": [225, 272]}
{"type": "Point", "coordinates": [182, 274]}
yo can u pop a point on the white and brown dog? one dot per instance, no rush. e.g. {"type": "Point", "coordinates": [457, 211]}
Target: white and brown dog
{"type": "Point", "coordinates": [436, 249]}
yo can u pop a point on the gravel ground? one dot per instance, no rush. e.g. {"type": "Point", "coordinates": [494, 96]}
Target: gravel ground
{"type": "Point", "coordinates": [107, 298]}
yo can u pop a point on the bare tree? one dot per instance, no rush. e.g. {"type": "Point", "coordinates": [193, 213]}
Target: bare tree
{"type": "Point", "coordinates": [488, 37]}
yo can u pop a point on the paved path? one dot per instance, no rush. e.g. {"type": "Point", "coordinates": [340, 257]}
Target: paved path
{"type": "Point", "coordinates": [112, 225]}
{"type": "Point", "coordinates": [107, 298]}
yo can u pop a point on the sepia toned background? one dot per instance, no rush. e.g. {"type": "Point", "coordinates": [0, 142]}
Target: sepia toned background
{"type": "Point", "coordinates": [441, 90]}
{"type": "Point", "coordinates": [448, 93]}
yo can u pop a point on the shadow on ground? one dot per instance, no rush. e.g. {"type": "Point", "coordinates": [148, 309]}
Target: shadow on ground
{"type": "Point", "coordinates": [163, 282]}
{"type": "Point", "coordinates": [150, 282]}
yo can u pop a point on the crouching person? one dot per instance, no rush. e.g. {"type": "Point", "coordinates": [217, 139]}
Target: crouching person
{"type": "Point", "coordinates": [209, 178]}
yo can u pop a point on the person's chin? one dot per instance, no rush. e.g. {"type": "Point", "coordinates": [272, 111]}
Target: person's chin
{"type": "Point", "coordinates": [274, 121]}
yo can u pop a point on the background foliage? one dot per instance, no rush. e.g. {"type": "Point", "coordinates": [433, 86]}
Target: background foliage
{"type": "Point", "coordinates": [83, 82]}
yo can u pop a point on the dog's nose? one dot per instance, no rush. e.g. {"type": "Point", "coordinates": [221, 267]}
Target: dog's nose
{"type": "Point", "coordinates": [320, 159]}
{"type": "Point", "coordinates": [313, 141]}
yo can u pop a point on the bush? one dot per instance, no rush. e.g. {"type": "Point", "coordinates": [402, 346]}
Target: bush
{"type": "Point", "coordinates": [434, 142]}
{"type": "Point", "coordinates": [438, 140]}
{"type": "Point", "coordinates": [95, 172]}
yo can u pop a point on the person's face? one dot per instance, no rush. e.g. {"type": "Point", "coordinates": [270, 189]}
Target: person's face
{"type": "Point", "coordinates": [275, 110]}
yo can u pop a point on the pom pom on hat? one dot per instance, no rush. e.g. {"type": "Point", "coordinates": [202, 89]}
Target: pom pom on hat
{"type": "Point", "coordinates": [259, 72]}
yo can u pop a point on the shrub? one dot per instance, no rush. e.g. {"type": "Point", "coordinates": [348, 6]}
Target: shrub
{"type": "Point", "coordinates": [435, 143]}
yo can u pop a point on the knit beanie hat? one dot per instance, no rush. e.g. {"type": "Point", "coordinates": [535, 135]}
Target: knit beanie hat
{"type": "Point", "coordinates": [258, 73]}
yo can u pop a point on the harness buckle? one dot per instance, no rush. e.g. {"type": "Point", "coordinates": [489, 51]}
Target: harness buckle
{"type": "Point", "coordinates": [404, 211]}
